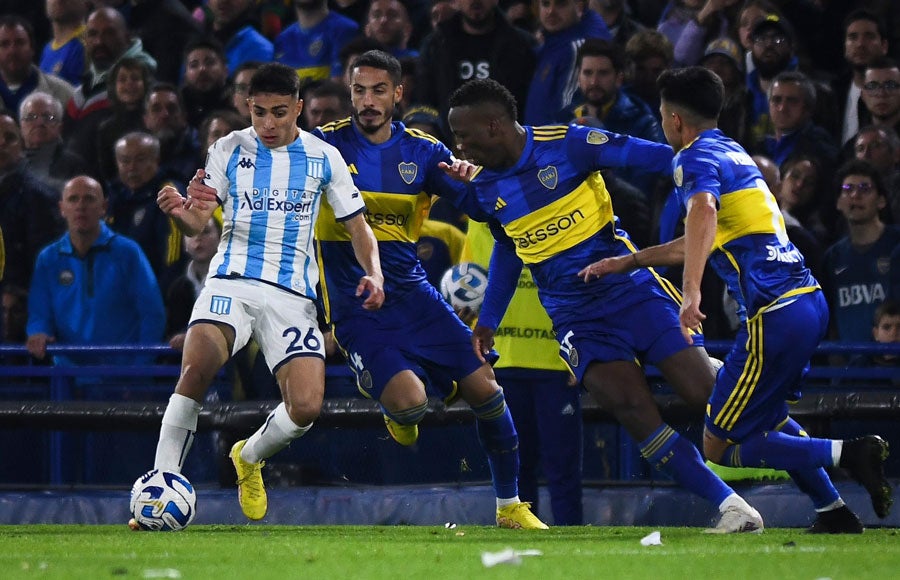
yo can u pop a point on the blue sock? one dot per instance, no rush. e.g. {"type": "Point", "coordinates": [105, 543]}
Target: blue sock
{"type": "Point", "coordinates": [779, 451]}
{"type": "Point", "coordinates": [813, 482]}
{"type": "Point", "coordinates": [671, 453]}
{"type": "Point", "coordinates": [410, 416]}
{"type": "Point", "coordinates": [500, 441]}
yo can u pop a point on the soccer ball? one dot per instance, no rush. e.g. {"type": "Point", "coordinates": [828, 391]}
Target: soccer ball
{"type": "Point", "coordinates": [163, 501]}
{"type": "Point", "coordinates": [464, 284]}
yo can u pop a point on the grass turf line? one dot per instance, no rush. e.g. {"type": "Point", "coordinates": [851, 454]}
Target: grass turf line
{"type": "Point", "coordinates": [394, 552]}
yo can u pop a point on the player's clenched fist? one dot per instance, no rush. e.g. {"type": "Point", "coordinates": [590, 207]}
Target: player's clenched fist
{"type": "Point", "coordinates": [170, 200]}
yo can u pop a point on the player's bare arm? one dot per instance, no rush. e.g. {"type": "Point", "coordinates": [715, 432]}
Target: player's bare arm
{"type": "Point", "coordinates": [365, 247]}
{"type": "Point", "coordinates": [699, 236]}
{"type": "Point", "coordinates": [191, 213]}
{"type": "Point", "coordinates": [668, 254]}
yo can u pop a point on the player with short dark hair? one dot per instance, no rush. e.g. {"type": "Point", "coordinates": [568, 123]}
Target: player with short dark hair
{"type": "Point", "coordinates": [732, 220]}
{"type": "Point", "coordinates": [269, 180]}
{"type": "Point", "coordinates": [397, 170]}
{"type": "Point", "coordinates": [543, 188]}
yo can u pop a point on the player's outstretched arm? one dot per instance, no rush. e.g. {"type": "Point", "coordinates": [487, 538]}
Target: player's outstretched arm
{"type": "Point", "coordinates": [459, 169]}
{"type": "Point", "coordinates": [365, 247]}
{"type": "Point", "coordinates": [668, 254]}
{"type": "Point", "coordinates": [191, 213]}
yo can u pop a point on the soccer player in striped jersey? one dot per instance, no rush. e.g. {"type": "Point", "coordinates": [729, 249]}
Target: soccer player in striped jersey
{"type": "Point", "coordinates": [733, 221]}
{"type": "Point", "coordinates": [543, 186]}
{"type": "Point", "coordinates": [270, 180]}
{"type": "Point", "coordinates": [397, 171]}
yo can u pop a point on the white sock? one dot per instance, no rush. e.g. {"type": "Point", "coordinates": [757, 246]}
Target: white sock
{"type": "Point", "coordinates": [838, 503]}
{"type": "Point", "coordinates": [505, 501]}
{"type": "Point", "coordinates": [276, 433]}
{"type": "Point", "coordinates": [733, 500]}
{"type": "Point", "coordinates": [837, 447]}
{"type": "Point", "coordinates": [176, 433]}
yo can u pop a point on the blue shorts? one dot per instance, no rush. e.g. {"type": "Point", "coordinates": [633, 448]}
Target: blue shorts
{"type": "Point", "coordinates": [764, 368]}
{"type": "Point", "coordinates": [646, 332]}
{"type": "Point", "coordinates": [417, 331]}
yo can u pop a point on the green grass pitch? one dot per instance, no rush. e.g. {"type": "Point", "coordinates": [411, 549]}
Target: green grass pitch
{"type": "Point", "coordinates": [437, 553]}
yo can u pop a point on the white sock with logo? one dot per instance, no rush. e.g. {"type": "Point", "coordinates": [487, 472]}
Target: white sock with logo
{"type": "Point", "coordinates": [275, 434]}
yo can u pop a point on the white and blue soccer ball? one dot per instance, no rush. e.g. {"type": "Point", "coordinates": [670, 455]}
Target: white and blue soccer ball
{"type": "Point", "coordinates": [464, 285]}
{"type": "Point", "coordinates": [163, 501]}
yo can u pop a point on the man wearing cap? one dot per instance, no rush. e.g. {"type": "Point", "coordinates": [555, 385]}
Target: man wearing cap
{"type": "Point", "coordinates": [723, 57]}
{"type": "Point", "coordinates": [772, 51]}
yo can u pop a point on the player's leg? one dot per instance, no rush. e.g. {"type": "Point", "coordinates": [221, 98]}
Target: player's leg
{"type": "Point", "coordinates": [206, 349]}
{"type": "Point", "coordinates": [500, 441]}
{"type": "Point", "coordinates": [769, 358]}
{"type": "Point", "coordinates": [289, 337]}
{"type": "Point", "coordinates": [691, 374]}
{"type": "Point", "coordinates": [621, 388]}
{"type": "Point", "coordinates": [519, 391]}
{"type": "Point", "coordinates": [404, 404]}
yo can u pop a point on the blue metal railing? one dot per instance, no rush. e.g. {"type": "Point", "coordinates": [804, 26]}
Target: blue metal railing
{"type": "Point", "coordinates": [35, 381]}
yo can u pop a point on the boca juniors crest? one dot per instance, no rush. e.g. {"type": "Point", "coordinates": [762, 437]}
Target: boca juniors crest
{"type": "Point", "coordinates": [548, 177]}
{"type": "Point", "coordinates": [408, 172]}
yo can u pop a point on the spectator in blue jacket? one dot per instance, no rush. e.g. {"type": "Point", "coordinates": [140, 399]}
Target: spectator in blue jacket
{"type": "Point", "coordinates": [565, 24]}
{"type": "Point", "coordinates": [233, 23]}
{"type": "Point", "coordinates": [92, 286]}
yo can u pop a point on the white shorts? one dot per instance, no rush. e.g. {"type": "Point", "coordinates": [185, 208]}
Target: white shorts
{"type": "Point", "coordinates": [284, 324]}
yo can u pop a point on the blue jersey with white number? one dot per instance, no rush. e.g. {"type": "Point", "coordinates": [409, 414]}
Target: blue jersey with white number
{"type": "Point", "coordinates": [554, 209]}
{"type": "Point", "coordinates": [397, 179]}
{"type": "Point", "coordinates": [270, 201]}
{"type": "Point", "coordinates": [752, 252]}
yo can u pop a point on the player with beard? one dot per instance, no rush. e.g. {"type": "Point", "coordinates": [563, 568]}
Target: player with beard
{"type": "Point", "coordinates": [396, 169]}
{"type": "Point", "coordinates": [772, 51]}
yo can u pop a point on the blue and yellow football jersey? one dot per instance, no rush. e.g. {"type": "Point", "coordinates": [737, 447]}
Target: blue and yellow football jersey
{"type": "Point", "coordinates": [751, 252]}
{"type": "Point", "coordinates": [557, 214]}
{"type": "Point", "coordinates": [396, 179]}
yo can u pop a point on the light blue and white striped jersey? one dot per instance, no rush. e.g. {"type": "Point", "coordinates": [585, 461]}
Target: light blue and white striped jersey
{"type": "Point", "coordinates": [270, 201]}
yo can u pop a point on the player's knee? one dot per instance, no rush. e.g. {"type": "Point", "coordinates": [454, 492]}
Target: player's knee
{"type": "Point", "coordinates": [303, 412]}
{"type": "Point", "coordinates": [714, 448]}
{"type": "Point", "coordinates": [194, 380]}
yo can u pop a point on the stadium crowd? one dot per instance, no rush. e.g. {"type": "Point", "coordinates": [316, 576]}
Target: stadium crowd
{"type": "Point", "coordinates": [128, 95]}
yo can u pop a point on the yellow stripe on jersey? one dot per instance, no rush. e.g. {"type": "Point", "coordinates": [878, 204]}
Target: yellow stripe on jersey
{"type": "Point", "coordinates": [392, 217]}
{"type": "Point", "coordinates": [335, 125]}
{"type": "Point", "coordinates": [670, 289]}
{"type": "Point", "coordinates": [313, 73]}
{"type": "Point", "coordinates": [748, 211]}
{"type": "Point", "coordinates": [550, 132]}
{"type": "Point", "coordinates": [422, 135]}
{"type": "Point", "coordinates": [323, 291]}
{"type": "Point", "coordinates": [743, 390]}
{"type": "Point", "coordinates": [579, 215]}
{"type": "Point", "coordinates": [173, 246]}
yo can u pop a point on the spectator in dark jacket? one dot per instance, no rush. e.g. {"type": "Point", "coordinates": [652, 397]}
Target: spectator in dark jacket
{"type": "Point", "coordinates": [475, 43]}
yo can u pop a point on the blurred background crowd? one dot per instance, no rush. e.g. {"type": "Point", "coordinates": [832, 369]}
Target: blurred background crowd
{"type": "Point", "coordinates": [130, 93]}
